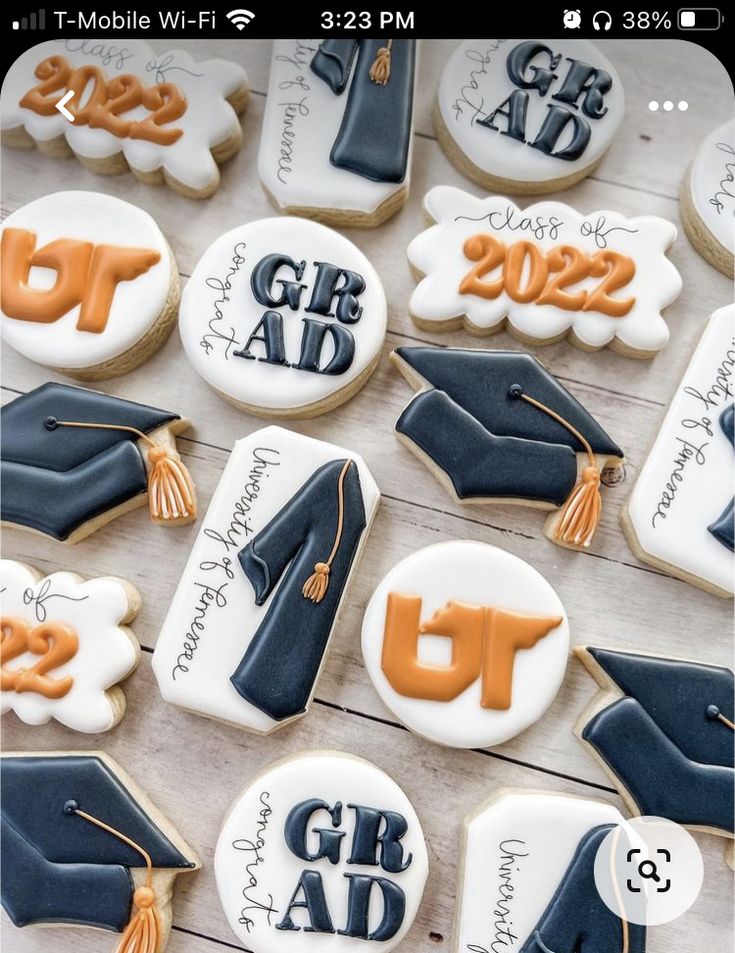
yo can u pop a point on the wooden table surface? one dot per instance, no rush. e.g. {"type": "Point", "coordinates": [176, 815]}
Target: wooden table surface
{"type": "Point", "coordinates": [193, 767]}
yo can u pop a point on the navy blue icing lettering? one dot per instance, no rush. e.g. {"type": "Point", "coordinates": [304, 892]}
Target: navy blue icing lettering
{"type": "Point", "coordinates": [358, 908]}
{"type": "Point", "coordinates": [375, 133]}
{"type": "Point", "coordinates": [295, 831]}
{"type": "Point", "coordinates": [659, 741]}
{"type": "Point", "coordinates": [314, 902]}
{"type": "Point", "coordinates": [56, 480]}
{"type": "Point", "coordinates": [279, 668]}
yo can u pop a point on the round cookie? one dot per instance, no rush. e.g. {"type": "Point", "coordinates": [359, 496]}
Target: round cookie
{"type": "Point", "coordinates": [707, 200]}
{"type": "Point", "coordinates": [527, 116]}
{"type": "Point", "coordinates": [465, 643]}
{"type": "Point", "coordinates": [90, 286]}
{"type": "Point", "coordinates": [65, 647]}
{"type": "Point", "coordinates": [165, 116]}
{"type": "Point", "coordinates": [321, 852]}
{"type": "Point", "coordinates": [284, 318]}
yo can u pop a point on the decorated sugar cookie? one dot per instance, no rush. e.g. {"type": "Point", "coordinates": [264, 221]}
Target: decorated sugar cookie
{"type": "Point", "coordinates": [83, 846]}
{"type": "Point", "coordinates": [249, 625]}
{"type": "Point", "coordinates": [663, 730]}
{"type": "Point", "coordinates": [322, 851]}
{"type": "Point", "coordinates": [495, 426]}
{"type": "Point", "coordinates": [164, 116]}
{"type": "Point", "coordinates": [465, 643]}
{"type": "Point", "coordinates": [336, 139]}
{"type": "Point", "coordinates": [527, 116]}
{"type": "Point", "coordinates": [526, 877]}
{"type": "Point", "coordinates": [679, 516]}
{"type": "Point", "coordinates": [545, 273]}
{"type": "Point", "coordinates": [707, 200]}
{"type": "Point", "coordinates": [90, 286]}
{"type": "Point", "coordinates": [65, 646]}
{"type": "Point", "coordinates": [72, 459]}
{"type": "Point", "coordinates": [284, 318]}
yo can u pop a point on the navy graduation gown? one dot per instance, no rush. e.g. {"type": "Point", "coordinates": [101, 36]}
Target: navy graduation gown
{"type": "Point", "coordinates": [279, 668]}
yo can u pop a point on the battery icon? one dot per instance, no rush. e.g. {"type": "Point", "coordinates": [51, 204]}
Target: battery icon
{"type": "Point", "coordinates": [700, 18]}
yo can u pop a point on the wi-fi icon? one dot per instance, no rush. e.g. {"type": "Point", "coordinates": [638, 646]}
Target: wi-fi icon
{"type": "Point", "coordinates": [240, 18]}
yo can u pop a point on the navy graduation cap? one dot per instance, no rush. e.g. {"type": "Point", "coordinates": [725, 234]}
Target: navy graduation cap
{"type": "Point", "coordinates": [78, 847]}
{"type": "Point", "coordinates": [498, 426]}
{"type": "Point", "coordinates": [72, 458]}
{"type": "Point", "coordinates": [664, 731]}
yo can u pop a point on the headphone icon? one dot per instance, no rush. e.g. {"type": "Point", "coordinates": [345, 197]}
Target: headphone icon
{"type": "Point", "coordinates": [606, 20]}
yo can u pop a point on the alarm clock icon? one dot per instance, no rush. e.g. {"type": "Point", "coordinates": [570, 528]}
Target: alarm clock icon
{"type": "Point", "coordinates": [572, 19]}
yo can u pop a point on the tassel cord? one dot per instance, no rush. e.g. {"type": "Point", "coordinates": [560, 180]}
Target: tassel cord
{"type": "Point", "coordinates": [565, 423]}
{"type": "Point", "coordinates": [316, 585]}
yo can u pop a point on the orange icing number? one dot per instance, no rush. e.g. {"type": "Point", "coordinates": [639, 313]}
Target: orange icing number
{"type": "Point", "coordinates": [567, 263]}
{"type": "Point", "coordinates": [484, 644]}
{"type": "Point", "coordinates": [106, 101]}
{"type": "Point", "coordinates": [87, 274]}
{"type": "Point", "coordinates": [55, 642]}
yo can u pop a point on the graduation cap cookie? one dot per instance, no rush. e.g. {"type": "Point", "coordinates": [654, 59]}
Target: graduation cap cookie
{"type": "Point", "coordinates": [72, 459]}
{"type": "Point", "coordinates": [87, 849]}
{"type": "Point", "coordinates": [663, 730]}
{"type": "Point", "coordinates": [65, 646]}
{"type": "Point", "coordinates": [528, 857]}
{"type": "Point", "coordinates": [497, 426]}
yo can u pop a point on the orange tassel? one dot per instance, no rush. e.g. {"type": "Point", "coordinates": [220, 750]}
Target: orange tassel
{"type": "Point", "coordinates": [380, 70]}
{"type": "Point", "coordinates": [143, 933]}
{"type": "Point", "coordinates": [170, 488]}
{"type": "Point", "coordinates": [315, 587]}
{"type": "Point", "coordinates": [580, 514]}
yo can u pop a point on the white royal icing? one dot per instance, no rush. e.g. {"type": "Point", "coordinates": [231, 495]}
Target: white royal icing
{"type": "Point", "coordinates": [136, 304]}
{"type": "Point", "coordinates": [475, 82]}
{"type": "Point", "coordinates": [686, 481]}
{"type": "Point", "coordinates": [481, 575]}
{"type": "Point", "coordinates": [518, 847]}
{"type": "Point", "coordinates": [106, 653]}
{"type": "Point", "coordinates": [208, 120]}
{"type": "Point", "coordinates": [213, 615]}
{"type": "Point", "coordinates": [301, 121]}
{"type": "Point", "coordinates": [257, 873]}
{"type": "Point", "coordinates": [712, 184]}
{"type": "Point", "coordinates": [219, 313]}
{"type": "Point", "coordinates": [437, 253]}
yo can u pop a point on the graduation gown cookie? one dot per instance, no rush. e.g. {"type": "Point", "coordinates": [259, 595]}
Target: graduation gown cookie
{"type": "Point", "coordinates": [663, 730]}
{"type": "Point", "coordinates": [248, 629]}
{"type": "Point", "coordinates": [87, 849]}
{"type": "Point", "coordinates": [526, 877]}
{"type": "Point", "coordinates": [495, 426]}
{"type": "Point", "coordinates": [72, 459]}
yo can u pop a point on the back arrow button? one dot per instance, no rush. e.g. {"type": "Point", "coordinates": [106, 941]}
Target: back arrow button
{"type": "Point", "coordinates": [61, 106]}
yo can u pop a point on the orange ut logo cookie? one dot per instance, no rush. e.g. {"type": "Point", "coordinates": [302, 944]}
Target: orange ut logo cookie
{"type": "Point", "coordinates": [87, 275]}
{"type": "Point", "coordinates": [485, 640]}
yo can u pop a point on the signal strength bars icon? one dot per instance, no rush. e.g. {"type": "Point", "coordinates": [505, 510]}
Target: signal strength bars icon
{"type": "Point", "coordinates": [240, 18]}
{"type": "Point", "coordinates": [34, 21]}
